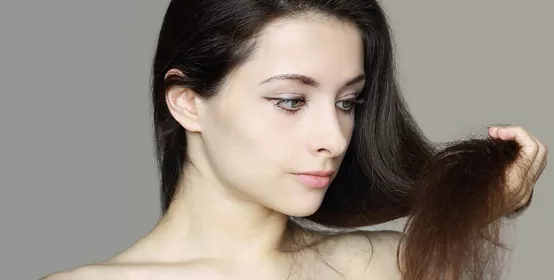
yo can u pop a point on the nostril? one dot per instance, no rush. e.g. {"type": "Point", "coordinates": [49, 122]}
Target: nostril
{"type": "Point", "coordinates": [322, 150]}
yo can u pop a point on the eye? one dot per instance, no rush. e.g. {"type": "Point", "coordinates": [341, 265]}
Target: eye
{"type": "Point", "coordinates": [348, 104]}
{"type": "Point", "coordinates": [289, 104]}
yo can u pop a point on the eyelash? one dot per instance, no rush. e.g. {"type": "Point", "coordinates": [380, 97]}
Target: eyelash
{"type": "Point", "coordinates": [280, 101]}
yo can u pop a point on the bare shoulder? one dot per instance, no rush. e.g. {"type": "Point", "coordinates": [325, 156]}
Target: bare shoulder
{"type": "Point", "coordinates": [74, 274]}
{"type": "Point", "coordinates": [141, 271]}
{"type": "Point", "coordinates": [86, 272]}
{"type": "Point", "coordinates": [64, 275]}
{"type": "Point", "coordinates": [366, 254]}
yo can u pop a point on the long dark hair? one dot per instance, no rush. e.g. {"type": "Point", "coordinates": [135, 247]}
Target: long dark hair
{"type": "Point", "coordinates": [453, 196]}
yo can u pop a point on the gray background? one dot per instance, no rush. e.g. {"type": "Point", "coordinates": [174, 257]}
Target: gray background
{"type": "Point", "coordinates": [77, 171]}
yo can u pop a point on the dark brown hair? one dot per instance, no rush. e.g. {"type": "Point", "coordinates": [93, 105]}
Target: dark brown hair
{"type": "Point", "coordinates": [453, 196]}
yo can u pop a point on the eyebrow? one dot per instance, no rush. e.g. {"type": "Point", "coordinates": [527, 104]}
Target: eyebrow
{"type": "Point", "coordinates": [310, 81]}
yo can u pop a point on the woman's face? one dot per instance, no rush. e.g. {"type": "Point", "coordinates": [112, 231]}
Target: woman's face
{"type": "Point", "coordinates": [287, 110]}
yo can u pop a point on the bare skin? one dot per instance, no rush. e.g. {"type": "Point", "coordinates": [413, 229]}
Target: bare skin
{"type": "Point", "coordinates": [227, 222]}
{"type": "Point", "coordinates": [229, 217]}
{"type": "Point", "coordinates": [345, 256]}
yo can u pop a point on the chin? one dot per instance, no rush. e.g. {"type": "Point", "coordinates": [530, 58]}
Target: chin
{"type": "Point", "coordinates": [302, 207]}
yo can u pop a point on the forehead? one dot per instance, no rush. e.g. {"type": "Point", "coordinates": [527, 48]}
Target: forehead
{"type": "Point", "coordinates": [325, 48]}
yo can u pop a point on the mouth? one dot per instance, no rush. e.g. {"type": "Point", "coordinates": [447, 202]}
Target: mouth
{"type": "Point", "coordinates": [316, 179]}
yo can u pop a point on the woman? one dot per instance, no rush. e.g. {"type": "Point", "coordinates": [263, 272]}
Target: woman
{"type": "Point", "coordinates": [270, 115]}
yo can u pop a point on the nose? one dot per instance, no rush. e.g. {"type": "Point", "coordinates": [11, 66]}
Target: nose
{"type": "Point", "coordinates": [329, 135]}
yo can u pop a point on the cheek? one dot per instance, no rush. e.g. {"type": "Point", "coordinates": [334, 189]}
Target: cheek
{"type": "Point", "coordinates": [347, 126]}
{"type": "Point", "coordinates": [274, 140]}
{"type": "Point", "coordinates": [246, 136]}
{"type": "Point", "coordinates": [267, 139]}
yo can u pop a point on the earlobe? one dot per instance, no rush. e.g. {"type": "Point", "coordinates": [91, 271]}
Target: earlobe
{"type": "Point", "coordinates": [183, 106]}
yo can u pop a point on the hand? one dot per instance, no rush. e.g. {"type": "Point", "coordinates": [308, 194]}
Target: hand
{"type": "Point", "coordinates": [522, 176]}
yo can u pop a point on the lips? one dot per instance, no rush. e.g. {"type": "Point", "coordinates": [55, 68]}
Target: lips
{"type": "Point", "coordinates": [315, 179]}
{"type": "Point", "coordinates": [315, 182]}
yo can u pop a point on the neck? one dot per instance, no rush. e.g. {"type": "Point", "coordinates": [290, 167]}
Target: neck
{"type": "Point", "coordinates": [208, 220]}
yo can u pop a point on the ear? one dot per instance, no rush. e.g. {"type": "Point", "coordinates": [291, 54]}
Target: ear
{"type": "Point", "coordinates": [183, 105]}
